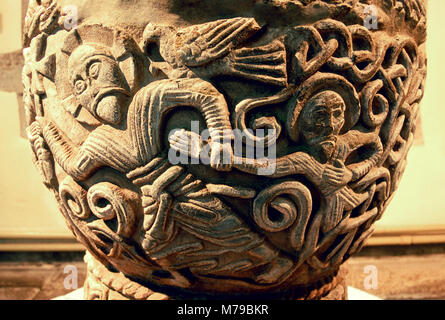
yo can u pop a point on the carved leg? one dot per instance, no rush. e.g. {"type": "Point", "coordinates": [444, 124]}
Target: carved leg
{"type": "Point", "coordinates": [160, 231]}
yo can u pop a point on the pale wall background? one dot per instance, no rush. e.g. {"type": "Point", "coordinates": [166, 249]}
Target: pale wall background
{"type": "Point", "coordinates": [30, 219]}
{"type": "Point", "coordinates": [10, 25]}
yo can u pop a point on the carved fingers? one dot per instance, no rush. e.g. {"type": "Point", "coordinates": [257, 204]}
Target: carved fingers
{"type": "Point", "coordinates": [186, 142]}
{"type": "Point", "coordinates": [189, 143]}
{"type": "Point", "coordinates": [45, 125]}
{"type": "Point", "coordinates": [221, 156]}
{"type": "Point", "coordinates": [34, 131]}
{"type": "Point", "coordinates": [43, 158]}
{"type": "Point", "coordinates": [337, 174]}
{"type": "Point", "coordinates": [158, 230]}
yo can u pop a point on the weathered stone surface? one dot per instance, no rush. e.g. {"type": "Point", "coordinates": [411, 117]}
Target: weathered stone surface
{"type": "Point", "coordinates": [111, 102]}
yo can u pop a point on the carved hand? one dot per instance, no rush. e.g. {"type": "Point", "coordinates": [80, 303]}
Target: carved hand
{"type": "Point", "coordinates": [34, 131]}
{"type": "Point", "coordinates": [190, 144]}
{"type": "Point", "coordinates": [187, 143]}
{"type": "Point", "coordinates": [221, 156]}
{"type": "Point", "coordinates": [44, 124]}
{"type": "Point", "coordinates": [337, 174]}
{"type": "Point", "coordinates": [44, 159]}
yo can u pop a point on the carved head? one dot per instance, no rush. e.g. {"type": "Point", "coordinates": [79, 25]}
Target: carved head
{"type": "Point", "coordinates": [325, 106]}
{"type": "Point", "coordinates": [98, 83]}
{"type": "Point", "coordinates": [322, 117]}
{"type": "Point", "coordinates": [153, 33]}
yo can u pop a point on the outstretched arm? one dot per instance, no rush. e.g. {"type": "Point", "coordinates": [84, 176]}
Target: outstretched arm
{"type": "Point", "coordinates": [295, 163]}
{"type": "Point", "coordinates": [189, 143]}
{"type": "Point", "coordinates": [75, 161]}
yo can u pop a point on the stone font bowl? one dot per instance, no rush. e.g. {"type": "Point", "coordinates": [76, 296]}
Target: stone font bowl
{"type": "Point", "coordinates": [225, 148]}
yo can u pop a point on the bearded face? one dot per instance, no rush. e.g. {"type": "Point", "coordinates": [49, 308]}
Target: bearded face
{"type": "Point", "coordinates": [98, 83]}
{"type": "Point", "coordinates": [322, 119]}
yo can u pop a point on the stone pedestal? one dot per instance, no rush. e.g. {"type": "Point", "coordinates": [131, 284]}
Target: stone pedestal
{"type": "Point", "coordinates": [205, 150]}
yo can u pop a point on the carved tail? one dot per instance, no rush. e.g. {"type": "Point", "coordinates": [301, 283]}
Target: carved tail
{"type": "Point", "coordinates": [265, 63]}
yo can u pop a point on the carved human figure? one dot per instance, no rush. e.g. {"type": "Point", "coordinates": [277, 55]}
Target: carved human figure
{"type": "Point", "coordinates": [320, 123]}
{"type": "Point", "coordinates": [323, 160]}
{"type": "Point", "coordinates": [134, 148]}
{"type": "Point", "coordinates": [339, 104]}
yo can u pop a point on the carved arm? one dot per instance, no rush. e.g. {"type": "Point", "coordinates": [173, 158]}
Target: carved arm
{"type": "Point", "coordinates": [372, 141]}
{"type": "Point", "coordinates": [75, 161]}
{"type": "Point", "coordinates": [296, 163]}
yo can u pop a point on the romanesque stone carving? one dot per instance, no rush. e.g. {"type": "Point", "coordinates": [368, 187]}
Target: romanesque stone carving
{"type": "Point", "coordinates": [110, 106]}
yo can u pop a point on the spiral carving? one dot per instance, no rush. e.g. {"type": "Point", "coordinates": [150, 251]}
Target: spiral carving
{"type": "Point", "coordinates": [293, 203]}
{"type": "Point", "coordinates": [338, 101]}
{"type": "Point", "coordinates": [270, 123]}
{"type": "Point", "coordinates": [74, 198]}
{"type": "Point", "coordinates": [108, 201]}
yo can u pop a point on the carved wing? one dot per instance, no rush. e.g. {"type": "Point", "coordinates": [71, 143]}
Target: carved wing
{"type": "Point", "coordinates": [204, 43]}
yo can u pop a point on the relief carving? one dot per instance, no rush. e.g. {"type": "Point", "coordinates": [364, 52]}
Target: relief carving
{"type": "Point", "coordinates": [107, 109]}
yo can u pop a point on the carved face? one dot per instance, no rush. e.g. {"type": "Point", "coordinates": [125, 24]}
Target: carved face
{"type": "Point", "coordinates": [98, 83]}
{"type": "Point", "coordinates": [322, 118]}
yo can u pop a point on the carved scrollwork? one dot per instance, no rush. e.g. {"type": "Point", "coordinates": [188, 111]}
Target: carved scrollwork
{"type": "Point", "coordinates": [267, 123]}
{"type": "Point", "coordinates": [339, 103]}
{"type": "Point", "coordinates": [108, 202]}
{"type": "Point", "coordinates": [375, 107]}
{"type": "Point", "coordinates": [103, 217]}
{"type": "Point", "coordinates": [286, 205]}
{"type": "Point", "coordinates": [74, 199]}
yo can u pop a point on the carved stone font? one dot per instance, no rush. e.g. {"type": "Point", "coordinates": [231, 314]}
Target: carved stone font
{"type": "Point", "coordinates": [237, 149]}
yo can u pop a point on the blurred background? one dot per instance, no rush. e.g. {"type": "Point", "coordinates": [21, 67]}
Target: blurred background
{"type": "Point", "coordinates": [37, 249]}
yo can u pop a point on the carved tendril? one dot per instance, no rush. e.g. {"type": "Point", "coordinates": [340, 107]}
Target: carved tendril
{"type": "Point", "coordinates": [293, 202]}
